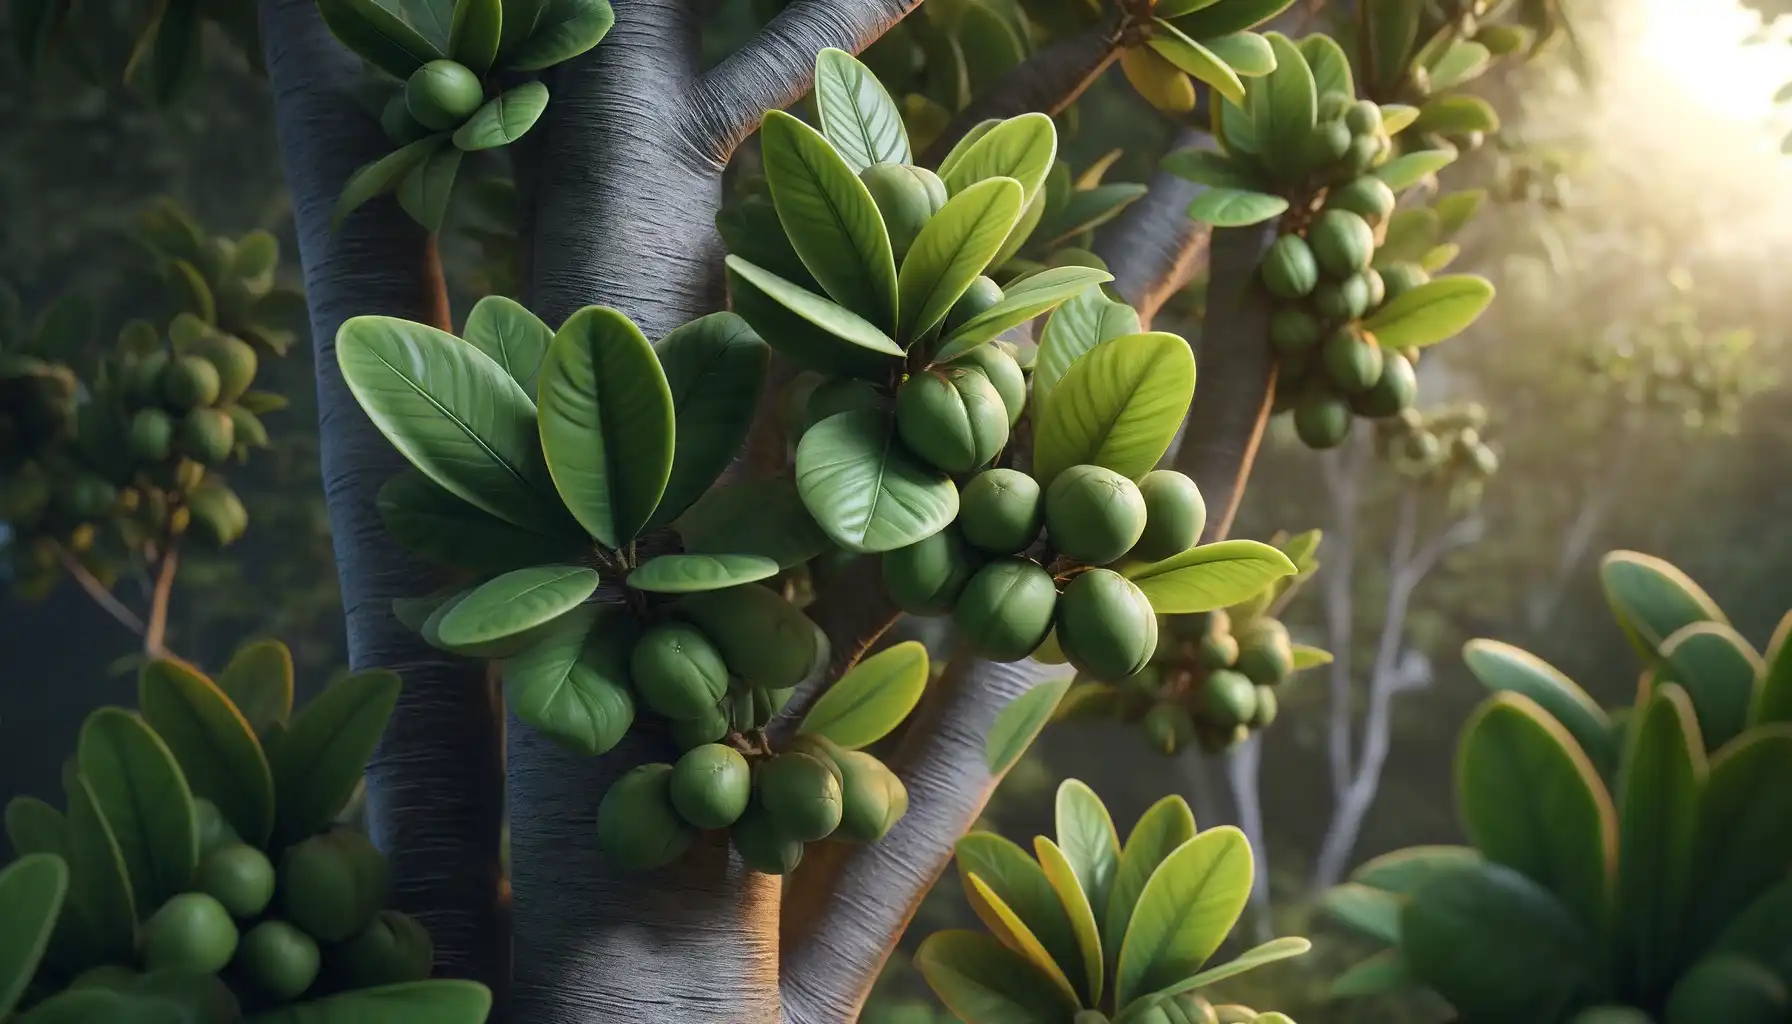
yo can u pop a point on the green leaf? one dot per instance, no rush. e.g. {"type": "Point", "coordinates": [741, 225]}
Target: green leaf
{"type": "Point", "coordinates": [1658, 817]}
{"type": "Point", "coordinates": [513, 337]}
{"type": "Point", "coordinates": [715, 367]}
{"type": "Point", "coordinates": [1370, 912]}
{"type": "Point", "coordinates": [1773, 699]}
{"type": "Point", "coordinates": [753, 517]}
{"type": "Point", "coordinates": [1719, 669]}
{"type": "Point", "coordinates": [1178, 8]}
{"type": "Point", "coordinates": [1463, 60]}
{"type": "Point", "coordinates": [953, 248]}
{"type": "Point", "coordinates": [1023, 886]}
{"type": "Point", "coordinates": [434, 524]}
{"type": "Point", "coordinates": [1172, 45]}
{"type": "Point", "coordinates": [1759, 932]}
{"type": "Point", "coordinates": [1007, 926]}
{"type": "Point", "coordinates": [1470, 933]}
{"type": "Point", "coordinates": [1504, 668]}
{"type": "Point", "coordinates": [1185, 911]}
{"type": "Point", "coordinates": [1331, 68]}
{"type": "Point", "coordinates": [1410, 234]}
{"type": "Point", "coordinates": [1403, 871]}
{"type": "Point", "coordinates": [504, 118]}
{"type": "Point", "coordinates": [1386, 971]}
{"type": "Point", "coordinates": [991, 43]}
{"type": "Point", "coordinates": [33, 826]}
{"type": "Point", "coordinates": [865, 489]}
{"type": "Point", "coordinates": [1090, 843]}
{"type": "Point", "coordinates": [435, 1001]}
{"type": "Point", "coordinates": [258, 680]}
{"type": "Point", "coordinates": [1284, 104]}
{"type": "Point", "coordinates": [176, 49]}
{"type": "Point", "coordinates": [474, 34]}
{"type": "Point", "coordinates": [31, 892]}
{"type": "Point", "coordinates": [1652, 599]}
{"type": "Point", "coordinates": [454, 413]}
{"type": "Point", "coordinates": [1440, 257]}
{"type": "Point", "coordinates": [606, 423]}
{"type": "Point", "coordinates": [1230, 16]}
{"type": "Point", "coordinates": [1531, 800]}
{"type": "Point", "coordinates": [319, 760]}
{"type": "Point", "coordinates": [514, 603]}
{"type": "Point", "coordinates": [213, 743]}
{"type": "Point", "coordinates": [1164, 826]}
{"type": "Point", "coordinates": [963, 145]}
{"type": "Point", "coordinates": [424, 192]}
{"type": "Point", "coordinates": [378, 35]}
{"type": "Point", "coordinates": [1455, 210]}
{"type": "Point", "coordinates": [1435, 311]}
{"type": "Point", "coordinates": [1457, 115]}
{"type": "Point", "coordinates": [1118, 406]}
{"type": "Point", "coordinates": [1020, 721]}
{"type": "Point", "coordinates": [1392, 29]}
{"type": "Point", "coordinates": [1022, 301]}
{"type": "Point", "coordinates": [839, 323]}
{"type": "Point", "coordinates": [139, 789]}
{"type": "Point", "coordinates": [1065, 883]}
{"type": "Point", "coordinates": [564, 29]}
{"type": "Point", "coordinates": [1233, 208]}
{"type": "Point", "coordinates": [1086, 210]}
{"type": "Point", "coordinates": [1021, 148]}
{"type": "Point", "coordinates": [1084, 321]}
{"type": "Point", "coordinates": [1403, 172]}
{"type": "Point", "coordinates": [1257, 956]}
{"type": "Point", "coordinates": [763, 638]}
{"type": "Point", "coordinates": [1207, 167]}
{"type": "Point", "coordinates": [872, 698]}
{"type": "Point", "coordinates": [983, 982]}
{"type": "Point", "coordinates": [1306, 657]}
{"type": "Point", "coordinates": [571, 684]}
{"type": "Point", "coordinates": [857, 114]}
{"type": "Point", "coordinates": [1209, 576]}
{"type": "Point", "coordinates": [750, 229]}
{"type": "Point", "coordinates": [99, 883]}
{"type": "Point", "coordinates": [1745, 830]}
{"type": "Point", "coordinates": [1397, 117]}
{"type": "Point", "coordinates": [691, 573]}
{"type": "Point", "coordinates": [382, 175]}
{"type": "Point", "coordinates": [1247, 53]}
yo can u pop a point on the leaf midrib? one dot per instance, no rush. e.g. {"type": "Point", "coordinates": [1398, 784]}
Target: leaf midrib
{"type": "Point", "coordinates": [452, 418]}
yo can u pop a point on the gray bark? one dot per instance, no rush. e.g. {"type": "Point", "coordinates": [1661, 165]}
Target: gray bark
{"type": "Point", "coordinates": [1153, 248]}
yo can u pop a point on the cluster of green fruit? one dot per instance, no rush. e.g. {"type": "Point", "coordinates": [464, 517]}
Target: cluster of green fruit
{"type": "Point", "coordinates": [1190, 1008]}
{"type": "Point", "coordinates": [1446, 447]}
{"type": "Point", "coordinates": [1214, 687]}
{"type": "Point", "coordinates": [1008, 590]}
{"type": "Point", "coordinates": [1672, 364]}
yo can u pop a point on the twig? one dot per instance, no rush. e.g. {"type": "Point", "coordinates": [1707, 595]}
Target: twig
{"type": "Point", "coordinates": [97, 590]}
{"type": "Point", "coordinates": [157, 627]}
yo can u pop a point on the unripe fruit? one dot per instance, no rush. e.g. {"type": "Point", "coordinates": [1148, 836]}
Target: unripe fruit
{"type": "Point", "coordinates": [1289, 268]}
{"type": "Point", "coordinates": [1267, 703]}
{"type": "Point", "coordinates": [1093, 514]}
{"type": "Point", "coordinates": [872, 797]}
{"type": "Point", "coordinates": [1149, 679]}
{"type": "Point", "coordinates": [1352, 359]}
{"type": "Point", "coordinates": [1393, 391]}
{"type": "Point", "coordinates": [905, 199]}
{"type": "Point", "coordinates": [1228, 697]}
{"type": "Point", "coordinates": [152, 434]}
{"type": "Point", "coordinates": [239, 877]}
{"type": "Point", "coordinates": [926, 577]}
{"type": "Point", "coordinates": [1727, 987]}
{"type": "Point", "coordinates": [1105, 625]}
{"type": "Point", "coordinates": [1341, 301]}
{"type": "Point", "coordinates": [332, 885]}
{"type": "Point", "coordinates": [678, 671]}
{"type": "Point", "coordinates": [841, 394]}
{"type": "Point", "coordinates": [1219, 650]}
{"type": "Point", "coordinates": [1363, 117]}
{"type": "Point", "coordinates": [393, 949]}
{"type": "Point", "coordinates": [1483, 460]}
{"type": "Point", "coordinates": [1321, 418]}
{"type": "Point", "coordinates": [994, 361]}
{"type": "Point", "coordinates": [982, 294]}
{"type": "Point", "coordinates": [442, 94]}
{"type": "Point", "coordinates": [1327, 144]}
{"type": "Point", "coordinates": [1265, 655]}
{"type": "Point", "coordinates": [279, 959]}
{"type": "Point", "coordinates": [112, 976]}
{"type": "Point", "coordinates": [235, 361]}
{"type": "Point", "coordinates": [207, 435]}
{"type": "Point", "coordinates": [1294, 331]}
{"type": "Point", "coordinates": [1342, 242]}
{"type": "Point", "coordinates": [1168, 728]}
{"type": "Point", "coordinates": [1175, 515]}
{"type": "Point", "coordinates": [1400, 278]}
{"type": "Point", "coordinates": [1423, 447]}
{"type": "Point", "coordinates": [762, 846]}
{"type": "Point", "coordinates": [637, 827]}
{"type": "Point", "coordinates": [802, 796]}
{"type": "Point", "coordinates": [1368, 197]}
{"type": "Point", "coordinates": [708, 727]}
{"type": "Point", "coordinates": [1001, 511]}
{"type": "Point", "coordinates": [398, 124]}
{"type": "Point", "coordinates": [1006, 610]}
{"type": "Point", "coordinates": [821, 749]}
{"type": "Point", "coordinates": [711, 786]}
{"type": "Point", "coordinates": [1378, 289]}
{"type": "Point", "coordinates": [143, 383]}
{"type": "Point", "coordinates": [214, 831]}
{"type": "Point", "coordinates": [1361, 156]}
{"type": "Point", "coordinates": [191, 932]}
{"type": "Point", "coordinates": [953, 418]}
{"type": "Point", "coordinates": [190, 382]}
{"type": "Point", "coordinates": [1334, 104]}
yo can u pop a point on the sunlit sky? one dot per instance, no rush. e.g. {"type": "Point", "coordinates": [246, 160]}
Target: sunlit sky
{"type": "Point", "coordinates": [1695, 47]}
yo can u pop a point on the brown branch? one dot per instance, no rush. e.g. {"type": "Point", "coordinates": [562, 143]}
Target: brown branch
{"type": "Point", "coordinates": [156, 629]}
{"type": "Point", "coordinates": [97, 590]}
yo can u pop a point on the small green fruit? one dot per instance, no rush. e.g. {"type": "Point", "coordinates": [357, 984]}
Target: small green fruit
{"type": "Point", "coordinates": [1228, 697]}
{"type": "Point", "coordinates": [1093, 514]}
{"type": "Point", "coordinates": [1368, 197]}
{"type": "Point", "coordinates": [332, 885]}
{"type": "Point", "coordinates": [1265, 655]}
{"type": "Point", "coordinates": [207, 435]}
{"type": "Point", "coordinates": [240, 877]}
{"type": "Point", "coordinates": [711, 786]}
{"type": "Point", "coordinates": [235, 361]}
{"type": "Point", "coordinates": [994, 361]}
{"type": "Point", "coordinates": [393, 949]}
{"type": "Point", "coordinates": [980, 296]}
{"type": "Point", "coordinates": [1400, 278]}
{"type": "Point", "coordinates": [1342, 301]}
{"type": "Point", "coordinates": [905, 200]}
{"type": "Point", "coordinates": [1294, 331]}
{"type": "Point", "coordinates": [1361, 156]}
{"type": "Point", "coordinates": [1378, 289]}
{"type": "Point", "coordinates": [1001, 511]}
{"type": "Point", "coordinates": [953, 418]}
{"type": "Point", "coordinates": [841, 394]}
{"type": "Point", "coordinates": [1327, 144]}
{"type": "Point", "coordinates": [1363, 117]}
{"type": "Point", "coordinates": [1006, 610]}
{"type": "Point", "coordinates": [1394, 390]}
{"type": "Point", "coordinates": [1266, 709]}
{"type": "Point", "coordinates": [926, 577]}
{"type": "Point", "coordinates": [678, 671]}
{"type": "Point", "coordinates": [708, 727]}
{"type": "Point", "coordinates": [1289, 268]}
{"type": "Point", "coordinates": [761, 846]}
{"type": "Point", "coordinates": [214, 831]}
{"type": "Point", "coordinates": [191, 932]}
{"type": "Point", "coordinates": [279, 959]}
{"type": "Point", "coordinates": [1168, 728]}
{"type": "Point", "coordinates": [1219, 650]}
{"type": "Point", "coordinates": [152, 435]}
{"type": "Point", "coordinates": [1106, 626]}
{"type": "Point", "coordinates": [1352, 359]}
{"type": "Point", "coordinates": [189, 382]}
{"type": "Point", "coordinates": [112, 976]}
{"type": "Point", "coordinates": [442, 94]}
{"type": "Point", "coordinates": [1342, 242]}
{"type": "Point", "coordinates": [1727, 987]}
{"type": "Point", "coordinates": [1334, 104]}
{"type": "Point", "coordinates": [637, 827]}
{"type": "Point", "coordinates": [397, 122]}
{"type": "Point", "coordinates": [872, 798]}
{"type": "Point", "coordinates": [143, 381]}
{"type": "Point", "coordinates": [802, 796]}
{"type": "Point", "coordinates": [1322, 418]}
{"type": "Point", "coordinates": [1175, 515]}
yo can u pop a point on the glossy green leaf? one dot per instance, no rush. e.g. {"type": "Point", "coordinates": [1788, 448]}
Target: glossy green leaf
{"type": "Point", "coordinates": [1410, 234]}
{"type": "Point", "coordinates": [1658, 811]}
{"type": "Point", "coordinates": [1284, 104]}
{"type": "Point", "coordinates": [857, 114]}
{"type": "Point", "coordinates": [454, 413]}
{"type": "Point", "coordinates": [872, 698]}
{"type": "Point", "coordinates": [1178, 8]}
{"type": "Point", "coordinates": [1090, 843]}
{"type": "Point", "coordinates": [1118, 406]}
{"type": "Point", "coordinates": [571, 683]}
{"type": "Point", "coordinates": [383, 175]}
{"type": "Point", "coordinates": [1435, 311]}
{"type": "Point", "coordinates": [1257, 956]}
{"type": "Point", "coordinates": [1013, 932]}
{"type": "Point", "coordinates": [1405, 171]}
{"type": "Point", "coordinates": [1306, 657]}
{"type": "Point", "coordinates": [1164, 826]}
{"type": "Point", "coordinates": [1759, 932]}
{"type": "Point", "coordinates": [1019, 723]}
{"type": "Point", "coordinates": [563, 30]}
{"type": "Point", "coordinates": [1232, 208]}
{"type": "Point", "coordinates": [139, 788]}
{"type": "Point", "coordinates": [1086, 210]}
{"type": "Point", "coordinates": [258, 680]}
{"type": "Point", "coordinates": [1652, 600]}
{"type": "Point", "coordinates": [1022, 885]}
{"type": "Point", "coordinates": [378, 35]}
{"type": "Point", "coordinates": [965, 143]}
{"type": "Point", "coordinates": [1021, 148]}
{"type": "Point", "coordinates": [1230, 16]}
{"type": "Point", "coordinates": [1531, 800]}
{"type": "Point", "coordinates": [1773, 699]}
{"type": "Point", "coordinates": [750, 229]}
{"type": "Point", "coordinates": [435, 1001]}
{"type": "Point", "coordinates": [475, 32]}
{"type": "Point", "coordinates": [953, 248]}
{"type": "Point", "coordinates": [1022, 301]}
{"type": "Point", "coordinates": [1457, 115]}
{"type": "Point", "coordinates": [715, 367]}
{"type": "Point", "coordinates": [1397, 117]}
{"type": "Point", "coordinates": [424, 192]}
{"type": "Point", "coordinates": [1403, 871]}
{"type": "Point", "coordinates": [1386, 971]}
{"type": "Point", "coordinates": [607, 423]}
{"type": "Point", "coordinates": [1502, 668]}
{"type": "Point", "coordinates": [1084, 321]}
{"type": "Point", "coordinates": [1209, 576]}
{"type": "Point", "coordinates": [1207, 167]}
{"type": "Point", "coordinates": [753, 517]}
{"type": "Point", "coordinates": [516, 602]}
{"type": "Point", "coordinates": [1745, 830]}
{"type": "Point", "coordinates": [692, 573]}
{"type": "Point", "coordinates": [992, 41]}
{"type": "Point", "coordinates": [1719, 670]}
{"type": "Point", "coordinates": [31, 892]}
{"type": "Point", "coordinates": [434, 524]}
{"type": "Point", "coordinates": [319, 760]}
{"type": "Point", "coordinates": [99, 883]}
{"type": "Point", "coordinates": [1393, 28]}
{"type": "Point", "coordinates": [504, 118]}
{"type": "Point", "coordinates": [1247, 53]}
{"type": "Point", "coordinates": [1186, 910]}
{"type": "Point", "coordinates": [1370, 912]}
{"type": "Point", "coordinates": [176, 49]}
{"type": "Point", "coordinates": [865, 489]}
{"type": "Point", "coordinates": [1331, 68]}
{"type": "Point", "coordinates": [1463, 60]}
{"type": "Point", "coordinates": [33, 826]}
{"type": "Point", "coordinates": [213, 743]}
{"type": "Point", "coordinates": [1086, 970]}
{"type": "Point", "coordinates": [1172, 45]}
{"type": "Point", "coordinates": [983, 982]}
{"type": "Point", "coordinates": [838, 322]}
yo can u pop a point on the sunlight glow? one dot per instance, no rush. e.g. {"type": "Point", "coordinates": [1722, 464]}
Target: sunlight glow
{"type": "Point", "coordinates": [1696, 48]}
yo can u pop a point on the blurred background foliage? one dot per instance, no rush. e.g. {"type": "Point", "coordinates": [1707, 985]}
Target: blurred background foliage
{"type": "Point", "coordinates": [1630, 371]}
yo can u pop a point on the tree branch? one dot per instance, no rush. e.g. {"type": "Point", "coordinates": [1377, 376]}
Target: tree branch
{"type": "Point", "coordinates": [1243, 769]}
{"type": "Point", "coordinates": [776, 67]}
{"type": "Point", "coordinates": [97, 590]}
{"type": "Point", "coordinates": [156, 629]}
{"type": "Point", "coordinates": [1342, 471]}
{"type": "Point", "coordinates": [854, 610]}
{"type": "Point", "coordinates": [1153, 248]}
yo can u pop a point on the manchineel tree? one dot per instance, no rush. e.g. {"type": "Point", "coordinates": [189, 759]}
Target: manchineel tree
{"type": "Point", "coordinates": [542, 463]}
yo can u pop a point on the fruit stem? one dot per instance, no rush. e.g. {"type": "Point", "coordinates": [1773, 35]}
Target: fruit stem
{"type": "Point", "coordinates": [97, 590]}
{"type": "Point", "coordinates": [156, 629]}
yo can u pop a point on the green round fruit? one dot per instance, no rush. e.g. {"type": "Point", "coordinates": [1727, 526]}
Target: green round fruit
{"type": "Point", "coordinates": [841, 394]}
{"type": "Point", "coordinates": [391, 950]}
{"type": "Point", "coordinates": [1730, 988]}
{"type": "Point", "coordinates": [1093, 514]}
{"type": "Point", "coordinates": [1333, 104]}
{"type": "Point", "coordinates": [189, 382]}
{"type": "Point", "coordinates": [678, 671]}
{"type": "Point", "coordinates": [207, 435]}
{"type": "Point", "coordinates": [1265, 654]}
{"type": "Point", "coordinates": [1364, 150]}
{"type": "Point", "coordinates": [1265, 715]}
{"type": "Point", "coordinates": [1229, 697]}
{"type": "Point", "coordinates": [1352, 359]}
{"type": "Point", "coordinates": [1289, 268]}
{"type": "Point", "coordinates": [143, 380]}
{"type": "Point", "coordinates": [1399, 278]}
{"type": "Point", "coordinates": [994, 361]}
{"type": "Point", "coordinates": [398, 124]}
{"type": "Point", "coordinates": [1368, 197]}
{"type": "Point", "coordinates": [1394, 390]}
{"type": "Point", "coordinates": [238, 876]}
{"type": "Point", "coordinates": [821, 749]}
{"type": "Point", "coordinates": [1168, 728]}
{"type": "Point", "coordinates": [953, 418]}
{"type": "Point", "coordinates": [191, 932]}
{"type": "Point", "coordinates": [1294, 331]}
{"type": "Point", "coordinates": [1219, 650]}
{"type": "Point", "coordinates": [1001, 511]}
{"type": "Point", "coordinates": [1378, 288]}
{"type": "Point", "coordinates": [214, 830]}
{"type": "Point", "coordinates": [872, 798]}
{"type": "Point", "coordinates": [1342, 301]}
{"type": "Point", "coordinates": [88, 496]}
{"type": "Point", "coordinates": [1322, 418]}
{"type": "Point", "coordinates": [1423, 447]}
{"type": "Point", "coordinates": [1327, 144]}
{"type": "Point", "coordinates": [1342, 242]}
{"type": "Point", "coordinates": [152, 435]}
{"type": "Point", "coordinates": [332, 885]}
{"type": "Point", "coordinates": [1363, 117]}
{"type": "Point", "coordinates": [235, 361]}
{"type": "Point", "coordinates": [112, 976]}
{"type": "Point", "coordinates": [903, 198]}
{"type": "Point", "coordinates": [1611, 1015]}
{"type": "Point", "coordinates": [442, 94]}
{"type": "Point", "coordinates": [761, 846]}
{"type": "Point", "coordinates": [710, 726]}
{"type": "Point", "coordinates": [279, 959]}
{"type": "Point", "coordinates": [926, 577]}
{"type": "Point", "coordinates": [711, 785]}
{"type": "Point", "coordinates": [1148, 680]}
{"type": "Point", "coordinates": [1483, 460]}
{"type": "Point", "coordinates": [1175, 515]}
{"type": "Point", "coordinates": [638, 829]}
{"type": "Point", "coordinates": [1006, 609]}
{"type": "Point", "coordinates": [981, 295]}
{"type": "Point", "coordinates": [1106, 626]}
{"type": "Point", "coordinates": [802, 796]}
